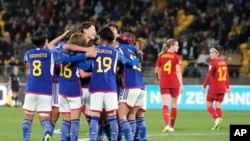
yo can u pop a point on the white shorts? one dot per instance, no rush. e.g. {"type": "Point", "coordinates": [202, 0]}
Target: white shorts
{"type": "Point", "coordinates": [69, 103]}
{"type": "Point", "coordinates": [55, 93]}
{"type": "Point", "coordinates": [86, 101]}
{"type": "Point", "coordinates": [37, 103]}
{"type": "Point", "coordinates": [133, 97]}
{"type": "Point", "coordinates": [100, 101]}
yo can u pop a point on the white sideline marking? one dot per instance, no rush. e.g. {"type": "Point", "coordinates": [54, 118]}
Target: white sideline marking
{"type": "Point", "coordinates": [175, 134]}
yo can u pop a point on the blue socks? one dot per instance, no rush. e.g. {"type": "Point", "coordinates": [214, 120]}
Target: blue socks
{"type": "Point", "coordinates": [65, 131]}
{"type": "Point", "coordinates": [125, 129]}
{"type": "Point", "coordinates": [74, 129]}
{"type": "Point", "coordinates": [53, 124]}
{"type": "Point", "coordinates": [113, 127]}
{"type": "Point", "coordinates": [94, 128]}
{"type": "Point", "coordinates": [26, 127]}
{"type": "Point", "coordinates": [141, 125]}
{"type": "Point", "coordinates": [132, 126]}
{"type": "Point", "coordinates": [46, 127]}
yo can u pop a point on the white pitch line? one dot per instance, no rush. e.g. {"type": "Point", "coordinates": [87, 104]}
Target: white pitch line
{"type": "Point", "coordinates": [175, 134]}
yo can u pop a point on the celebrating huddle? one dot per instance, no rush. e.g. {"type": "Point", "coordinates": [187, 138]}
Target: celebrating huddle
{"type": "Point", "coordinates": [80, 72]}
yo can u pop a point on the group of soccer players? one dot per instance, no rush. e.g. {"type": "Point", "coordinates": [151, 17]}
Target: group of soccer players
{"type": "Point", "coordinates": [168, 73]}
{"type": "Point", "coordinates": [98, 75]}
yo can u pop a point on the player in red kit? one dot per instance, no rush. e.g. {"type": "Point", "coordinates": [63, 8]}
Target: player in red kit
{"type": "Point", "coordinates": [168, 73]}
{"type": "Point", "coordinates": [218, 81]}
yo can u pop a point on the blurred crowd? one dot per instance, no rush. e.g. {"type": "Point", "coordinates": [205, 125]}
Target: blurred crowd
{"type": "Point", "coordinates": [197, 24]}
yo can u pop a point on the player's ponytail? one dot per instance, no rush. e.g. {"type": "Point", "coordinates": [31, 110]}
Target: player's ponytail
{"type": "Point", "coordinates": [166, 45]}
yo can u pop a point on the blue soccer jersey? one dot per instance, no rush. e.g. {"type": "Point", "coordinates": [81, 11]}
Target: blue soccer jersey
{"type": "Point", "coordinates": [103, 78]}
{"type": "Point", "coordinates": [69, 83]}
{"type": "Point", "coordinates": [41, 67]}
{"type": "Point", "coordinates": [131, 72]}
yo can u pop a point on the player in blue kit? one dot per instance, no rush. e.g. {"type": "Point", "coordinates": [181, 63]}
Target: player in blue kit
{"type": "Point", "coordinates": [70, 101]}
{"type": "Point", "coordinates": [38, 90]}
{"type": "Point", "coordinates": [103, 87]}
{"type": "Point", "coordinates": [132, 98]}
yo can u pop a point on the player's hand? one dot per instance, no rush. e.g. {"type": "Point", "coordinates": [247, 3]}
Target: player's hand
{"type": "Point", "coordinates": [66, 32]}
{"type": "Point", "coordinates": [91, 53]}
{"type": "Point", "coordinates": [181, 89]}
{"type": "Point", "coordinates": [228, 91]}
{"type": "Point", "coordinates": [140, 53]}
{"type": "Point", "coordinates": [203, 90]}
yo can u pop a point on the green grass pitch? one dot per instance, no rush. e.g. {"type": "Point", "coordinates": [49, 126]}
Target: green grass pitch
{"type": "Point", "coordinates": [190, 126]}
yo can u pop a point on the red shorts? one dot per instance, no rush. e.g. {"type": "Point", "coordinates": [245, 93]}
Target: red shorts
{"type": "Point", "coordinates": [211, 96]}
{"type": "Point", "coordinates": [172, 91]}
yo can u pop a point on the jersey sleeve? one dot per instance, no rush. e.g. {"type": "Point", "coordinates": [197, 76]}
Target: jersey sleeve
{"type": "Point", "coordinates": [124, 60]}
{"type": "Point", "coordinates": [209, 74]}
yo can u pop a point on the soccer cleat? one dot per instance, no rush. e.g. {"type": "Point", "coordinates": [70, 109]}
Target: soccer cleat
{"type": "Point", "coordinates": [171, 129]}
{"type": "Point", "coordinates": [168, 129]}
{"type": "Point", "coordinates": [217, 124]}
{"type": "Point", "coordinates": [47, 137]}
{"type": "Point", "coordinates": [165, 129]}
{"type": "Point", "coordinates": [57, 131]}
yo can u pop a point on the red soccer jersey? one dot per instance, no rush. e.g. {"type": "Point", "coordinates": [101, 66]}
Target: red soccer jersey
{"type": "Point", "coordinates": [167, 63]}
{"type": "Point", "coordinates": [217, 77]}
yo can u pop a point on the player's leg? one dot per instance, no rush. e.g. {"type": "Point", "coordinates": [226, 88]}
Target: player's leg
{"type": "Point", "coordinates": [139, 103]}
{"type": "Point", "coordinates": [173, 114]}
{"type": "Point", "coordinates": [75, 112]}
{"type": "Point", "coordinates": [15, 93]}
{"type": "Point", "coordinates": [141, 132]}
{"type": "Point", "coordinates": [165, 92]}
{"type": "Point", "coordinates": [65, 111]}
{"type": "Point", "coordinates": [55, 107]}
{"type": "Point", "coordinates": [127, 100]}
{"type": "Point", "coordinates": [111, 108]}
{"type": "Point", "coordinates": [44, 109]}
{"type": "Point", "coordinates": [218, 120]}
{"type": "Point", "coordinates": [29, 108]}
{"type": "Point", "coordinates": [96, 107]}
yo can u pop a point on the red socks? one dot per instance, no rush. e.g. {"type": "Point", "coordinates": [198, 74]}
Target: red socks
{"type": "Point", "coordinates": [219, 112]}
{"type": "Point", "coordinates": [165, 114]}
{"type": "Point", "coordinates": [213, 112]}
{"type": "Point", "coordinates": [173, 116]}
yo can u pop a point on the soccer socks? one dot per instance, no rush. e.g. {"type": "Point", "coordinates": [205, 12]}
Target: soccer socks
{"type": "Point", "coordinates": [53, 124]}
{"type": "Point", "coordinates": [142, 128]}
{"type": "Point", "coordinates": [46, 127]}
{"type": "Point", "coordinates": [133, 126]}
{"type": "Point", "coordinates": [94, 128]}
{"type": "Point", "coordinates": [125, 129]}
{"type": "Point", "coordinates": [113, 127]}
{"type": "Point", "coordinates": [165, 114]}
{"type": "Point", "coordinates": [74, 129]}
{"type": "Point", "coordinates": [219, 112]}
{"type": "Point", "coordinates": [173, 116]}
{"type": "Point", "coordinates": [65, 131]}
{"type": "Point", "coordinates": [106, 130]}
{"type": "Point", "coordinates": [212, 112]}
{"type": "Point", "coordinates": [26, 127]}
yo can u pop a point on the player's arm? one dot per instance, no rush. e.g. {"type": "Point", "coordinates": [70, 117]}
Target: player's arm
{"type": "Point", "coordinates": [228, 83]}
{"type": "Point", "coordinates": [179, 75]}
{"type": "Point", "coordinates": [85, 65]}
{"type": "Point", "coordinates": [84, 74]}
{"type": "Point", "coordinates": [74, 47]}
{"type": "Point", "coordinates": [127, 61]}
{"type": "Point", "coordinates": [75, 58]}
{"type": "Point", "coordinates": [157, 69]}
{"type": "Point", "coordinates": [208, 76]}
{"type": "Point", "coordinates": [55, 41]}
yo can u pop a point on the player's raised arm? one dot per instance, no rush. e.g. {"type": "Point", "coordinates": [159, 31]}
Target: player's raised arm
{"type": "Point", "coordinates": [55, 41]}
